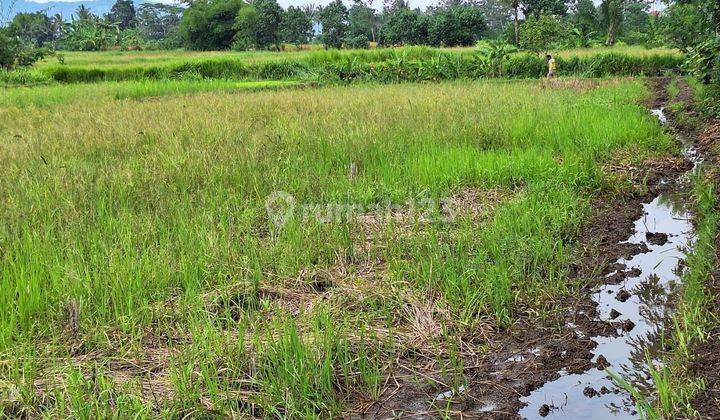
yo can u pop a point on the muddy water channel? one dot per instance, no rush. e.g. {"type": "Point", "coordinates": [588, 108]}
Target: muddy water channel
{"type": "Point", "coordinates": [640, 306]}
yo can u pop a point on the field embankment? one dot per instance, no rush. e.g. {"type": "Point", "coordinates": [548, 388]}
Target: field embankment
{"type": "Point", "coordinates": [117, 58]}
{"type": "Point", "coordinates": [414, 64]}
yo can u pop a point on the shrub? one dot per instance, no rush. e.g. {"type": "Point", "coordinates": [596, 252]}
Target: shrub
{"type": "Point", "coordinates": [131, 40]}
{"type": "Point", "coordinates": [537, 35]}
{"type": "Point", "coordinates": [711, 100]}
{"type": "Point", "coordinates": [15, 53]}
{"type": "Point", "coordinates": [357, 42]}
{"type": "Point", "coordinates": [704, 60]}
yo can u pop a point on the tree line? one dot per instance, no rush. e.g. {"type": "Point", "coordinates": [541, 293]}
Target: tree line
{"type": "Point", "coordinates": [264, 24]}
{"type": "Point", "coordinates": [534, 25]}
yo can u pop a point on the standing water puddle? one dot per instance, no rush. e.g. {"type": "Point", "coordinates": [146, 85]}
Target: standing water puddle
{"type": "Point", "coordinates": [640, 316]}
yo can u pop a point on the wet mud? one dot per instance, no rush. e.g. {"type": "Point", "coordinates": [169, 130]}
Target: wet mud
{"type": "Point", "coordinates": [706, 364]}
{"type": "Point", "coordinates": [639, 307]}
{"type": "Point", "coordinates": [626, 279]}
{"type": "Point", "coordinates": [638, 297]}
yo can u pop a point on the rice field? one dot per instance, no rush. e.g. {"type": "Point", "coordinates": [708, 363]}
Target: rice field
{"type": "Point", "coordinates": [225, 251]}
{"type": "Point", "coordinates": [116, 59]}
{"type": "Point", "coordinates": [90, 93]}
{"type": "Point", "coordinates": [384, 65]}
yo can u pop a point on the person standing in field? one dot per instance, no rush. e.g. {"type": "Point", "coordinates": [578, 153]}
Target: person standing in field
{"type": "Point", "coordinates": [551, 66]}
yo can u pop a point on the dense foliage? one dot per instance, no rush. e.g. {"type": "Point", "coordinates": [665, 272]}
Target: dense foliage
{"type": "Point", "coordinates": [456, 24]}
{"type": "Point", "coordinates": [694, 26]}
{"type": "Point", "coordinates": [258, 25]}
{"type": "Point", "coordinates": [159, 24]}
{"type": "Point", "coordinates": [123, 14]}
{"type": "Point", "coordinates": [88, 32]}
{"type": "Point", "coordinates": [533, 25]}
{"type": "Point", "coordinates": [334, 21]}
{"type": "Point", "coordinates": [210, 24]}
{"type": "Point", "coordinates": [536, 25]}
{"type": "Point", "coordinates": [539, 34]}
{"type": "Point", "coordinates": [296, 26]}
{"type": "Point", "coordinates": [16, 53]}
{"type": "Point", "coordinates": [404, 26]}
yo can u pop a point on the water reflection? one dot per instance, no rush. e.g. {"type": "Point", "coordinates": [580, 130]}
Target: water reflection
{"type": "Point", "coordinates": [644, 315]}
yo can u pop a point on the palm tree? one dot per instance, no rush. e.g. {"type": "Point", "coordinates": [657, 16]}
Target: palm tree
{"type": "Point", "coordinates": [84, 14]}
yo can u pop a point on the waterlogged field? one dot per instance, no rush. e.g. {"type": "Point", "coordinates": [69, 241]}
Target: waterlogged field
{"type": "Point", "coordinates": [282, 253]}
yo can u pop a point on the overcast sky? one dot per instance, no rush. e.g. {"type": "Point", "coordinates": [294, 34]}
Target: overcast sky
{"type": "Point", "coordinates": [378, 3]}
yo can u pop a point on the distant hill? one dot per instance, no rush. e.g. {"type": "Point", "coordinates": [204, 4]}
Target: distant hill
{"type": "Point", "coordinates": [65, 8]}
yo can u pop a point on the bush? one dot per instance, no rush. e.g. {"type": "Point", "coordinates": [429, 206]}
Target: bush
{"type": "Point", "coordinates": [132, 40]}
{"type": "Point", "coordinates": [636, 38]}
{"type": "Point", "coordinates": [704, 60]}
{"type": "Point", "coordinates": [357, 42]}
{"type": "Point", "coordinates": [537, 35]}
{"type": "Point", "coordinates": [15, 53]}
{"type": "Point", "coordinates": [683, 24]}
{"type": "Point", "coordinates": [711, 100]}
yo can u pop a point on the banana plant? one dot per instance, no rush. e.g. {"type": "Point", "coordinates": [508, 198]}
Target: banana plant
{"type": "Point", "coordinates": [493, 56]}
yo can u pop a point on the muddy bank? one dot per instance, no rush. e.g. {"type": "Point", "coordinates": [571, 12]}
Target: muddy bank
{"type": "Point", "coordinates": [706, 364]}
{"type": "Point", "coordinates": [707, 367]}
{"type": "Point", "coordinates": [640, 290]}
{"type": "Point", "coordinates": [501, 369]}
{"type": "Point", "coordinates": [497, 383]}
{"type": "Point", "coordinates": [639, 304]}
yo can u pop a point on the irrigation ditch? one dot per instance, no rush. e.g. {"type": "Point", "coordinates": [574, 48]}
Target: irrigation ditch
{"type": "Point", "coordinates": [627, 278]}
{"type": "Point", "coordinates": [637, 297]}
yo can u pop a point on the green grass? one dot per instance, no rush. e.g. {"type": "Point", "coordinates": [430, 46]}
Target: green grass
{"type": "Point", "coordinates": [124, 59]}
{"type": "Point", "coordinates": [88, 93]}
{"type": "Point", "coordinates": [632, 50]}
{"type": "Point", "coordinates": [174, 87]}
{"type": "Point", "coordinates": [146, 222]}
